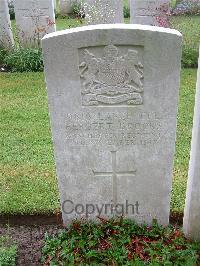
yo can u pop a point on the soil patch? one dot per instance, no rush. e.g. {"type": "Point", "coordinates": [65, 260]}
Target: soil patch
{"type": "Point", "coordinates": [30, 240]}
{"type": "Point", "coordinates": [56, 219]}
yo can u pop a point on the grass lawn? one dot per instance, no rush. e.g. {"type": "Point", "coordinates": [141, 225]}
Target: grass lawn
{"type": "Point", "coordinates": [189, 27]}
{"type": "Point", "coordinates": [28, 182]}
{"type": "Point", "coordinates": [184, 132]}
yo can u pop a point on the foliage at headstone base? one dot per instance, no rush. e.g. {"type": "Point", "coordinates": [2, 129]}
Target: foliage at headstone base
{"type": "Point", "coordinates": [77, 9]}
{"type": "Point", "coordinates": [190, 57]}
{"type": "Point", "coordinates": [119, 242]}
{"type": "Point", "coordinates": [126, 12]}
{"type": "Point", "coordinates": [3, 54]}
{"type": "Point", "coordinates": [24, 60]}
{"type": "Point", "coordinates": [8, 252]}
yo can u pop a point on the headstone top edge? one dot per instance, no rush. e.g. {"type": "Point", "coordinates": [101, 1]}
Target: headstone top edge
{"type": "Point", "coordinates": [119, 26]}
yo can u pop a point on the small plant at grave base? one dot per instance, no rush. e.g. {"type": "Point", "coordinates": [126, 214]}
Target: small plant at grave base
{"type": "Point", "coordinates": [126, 12]}
{"type": "Point", "coordinates": [25, 60]}
{"type": "Point", "coordinates": [119, 242]}
{"type": "Point", "coordinates": [5, 48]}
{"type": "Point", "coordinates": [190, 56]}
{"type": "Point", "coordinates": [164, 13]}
{"type": "Point", "coordinates": [3, 54]}
{"type": "Point", "coordinates": [77, 9]}
{"type": "Point", "coordinates": [8, 252]}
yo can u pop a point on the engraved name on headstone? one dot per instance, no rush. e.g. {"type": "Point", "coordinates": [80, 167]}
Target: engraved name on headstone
{"type": "Point", "coordinates": [113, 93]}
{"type": "Point", "coordinates": [34, 19]}
{"type": "Point", "coordinates": [6, 36]}
{"type": "Point", "coordinates": [149, 12]}
{"type": "Point", "coordinates": [191, 221]}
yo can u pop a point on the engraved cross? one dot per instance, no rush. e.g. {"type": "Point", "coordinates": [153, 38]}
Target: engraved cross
{"type": "Point", "coordinates": [114, 174]}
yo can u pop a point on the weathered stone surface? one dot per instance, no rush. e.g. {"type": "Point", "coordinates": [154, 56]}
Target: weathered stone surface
{"type": "Point", "coordinates": [6, 37]}
{"type": "Point", "coordinates": [149, 12]}
{"type": "Point", "coordinates": [66, 6]}
{"type": "Point", "coordinates": [113, 92]}
{"type": "Point", "coordinates": [191, 221]}
{"type": "Point", "coordinates": [34, 19]}
{"type": "Point", "coordinates": [103, 11]}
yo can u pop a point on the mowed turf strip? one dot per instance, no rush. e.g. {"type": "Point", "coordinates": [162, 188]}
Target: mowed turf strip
{"type": "Point", "coordinates": [28, 179]}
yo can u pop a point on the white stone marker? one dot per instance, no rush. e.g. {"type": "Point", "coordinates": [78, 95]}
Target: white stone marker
{"type": "Point", "coordinates": [6, 37]}
{"type": "Point", "coordinates": [103, 11]}
{"type": "Point", "coordinates": [191, 221]}
{"type": "Point", "coordinates": [149, 12]}
{"type": "Point", "coordinates": [113, 93]}
{"type": "Point", "coordinates": [34, 19]}
{"type": "Point", "coordinates": [66, 6]}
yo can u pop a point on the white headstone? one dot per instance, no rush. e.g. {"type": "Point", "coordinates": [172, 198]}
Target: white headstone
{"type": "Point", "coordinates": [6, 37]}
{"type": "Point", "coordinates": [191, 221]}
{"type": "Point", "coordinates": [66, 6]}
{"type": "Point", "coordinates": [103, 11]}
{"type": "Point", "coordinates": [34, 19]}
{"type": "Point", "coordinates": [149, 12]}
{"type": "Point", "coordinates": [113, 93]}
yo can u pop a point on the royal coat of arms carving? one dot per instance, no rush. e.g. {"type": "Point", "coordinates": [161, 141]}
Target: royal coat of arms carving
{"type": "Point", "coordinates": [113, 79]}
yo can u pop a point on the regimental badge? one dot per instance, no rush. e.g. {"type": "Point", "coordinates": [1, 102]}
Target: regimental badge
{"type": "Point", "coordinates": [113, 79]}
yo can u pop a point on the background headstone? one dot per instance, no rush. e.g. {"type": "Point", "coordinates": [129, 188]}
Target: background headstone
{"type": "Point", "coordinates": [6, 37]}
{"type": "Point", "coordinates": [103, 11]}
{"type": "Point", "coordinates": [66, 6]}
{"type": "Point", "coordinates": [149, 12]}
{"type": "Point", "coordinates": [34, 19]}
{"type": "Point", "coordinates": [113, 93]}
{"type": "Point", "coordinates": [11, 9]}
{"type": "Point", "coordinates": [191, 221]}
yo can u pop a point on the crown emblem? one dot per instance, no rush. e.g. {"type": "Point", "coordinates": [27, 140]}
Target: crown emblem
{"type": "Point", "coordinates": [112, 79]}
